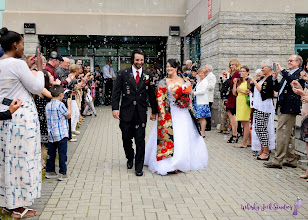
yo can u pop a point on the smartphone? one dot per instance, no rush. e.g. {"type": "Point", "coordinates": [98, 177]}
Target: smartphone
{"type": "Point", "coordinates": [40, 49]}
{"type": "Point", "coordinates": [228, 75]}
{"type": "Point", "coordinates": [7, 101]}
{"type": "Point", "coordinates": [274, 67]}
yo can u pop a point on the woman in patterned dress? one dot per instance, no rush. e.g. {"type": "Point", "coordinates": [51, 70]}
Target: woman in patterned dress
{"type": "Point", "coordinates": [263, 127]}
{"type": "Point", "coordinates": [41, 101]}
{"type": "Point", "coordinates": [20, 150]}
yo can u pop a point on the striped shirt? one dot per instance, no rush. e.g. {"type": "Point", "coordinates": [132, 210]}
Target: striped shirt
{"type": "Point", "coordinates": [57, 123]}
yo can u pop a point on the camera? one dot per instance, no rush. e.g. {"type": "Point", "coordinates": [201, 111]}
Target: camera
{"type": "Point", "coordinates": [73, 97]}
{"type": "Point", "coordinates": [40, 49]}
{"type": "Point", "coordinates": [7, 101]}
{"type": "Point", "coordinates": [274, 67]}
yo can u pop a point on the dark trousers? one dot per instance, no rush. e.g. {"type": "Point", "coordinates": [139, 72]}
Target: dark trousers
{"type": "Point", "coordinates": [209, 120]}
{"type": "Point", "coordinates": [52, 153]}
{"type": "Point", "coordinates": [134, 129]}
{"type": "Point", "coordinates": [108, 91]}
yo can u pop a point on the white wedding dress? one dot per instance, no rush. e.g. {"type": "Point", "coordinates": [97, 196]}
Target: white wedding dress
{"type": "Point", "coordinates": [190, 152]}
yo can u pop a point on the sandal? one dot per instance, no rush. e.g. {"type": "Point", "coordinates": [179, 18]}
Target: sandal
{"type": "Point", "coordinates": [256, 154]}
{"type": "Point", "coordinates": [267, 158]}
{"type": "Point", "coordinates": [233, 139]}
{"type": "Point", "coordinates": [240, 146]}
{"type": "Point", "coordinates": [26, 211]}
{"type": "Point", "coordinates": [6, 211]}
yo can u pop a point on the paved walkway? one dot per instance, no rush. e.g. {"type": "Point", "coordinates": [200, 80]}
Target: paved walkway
{"type": "Point", "coordinates": [100, 186]}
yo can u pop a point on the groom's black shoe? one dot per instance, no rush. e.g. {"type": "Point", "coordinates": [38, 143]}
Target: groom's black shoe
{"type": "Point", "coordinates": [139, 173]}
{"type": "Point", "coordinates": [130, 164]}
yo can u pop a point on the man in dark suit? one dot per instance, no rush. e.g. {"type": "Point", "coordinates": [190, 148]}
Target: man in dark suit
{"type": "Point", "coordinates": [133, 86]}
{"type": "Point", "coordinates": [288, 106]}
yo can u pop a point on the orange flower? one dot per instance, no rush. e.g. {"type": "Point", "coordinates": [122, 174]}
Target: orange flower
{"type": "Point", "coordinates": [187, 89]}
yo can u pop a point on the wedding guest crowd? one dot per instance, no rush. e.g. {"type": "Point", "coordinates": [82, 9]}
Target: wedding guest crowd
{"type": "Point", "coordinates": [254, 102]}
{"type": "Point", "coordinates": [36, 97]}
{"type": "Point", "coordinates": [54, 96]}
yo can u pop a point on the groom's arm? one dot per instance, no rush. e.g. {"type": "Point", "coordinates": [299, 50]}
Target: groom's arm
{"type": "Point", "coordinates": [116, 93]}
{"type": "Point", "coordinates": [152, 95]}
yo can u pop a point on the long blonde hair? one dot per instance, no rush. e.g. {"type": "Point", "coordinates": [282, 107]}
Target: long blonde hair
{"type": "Point", "coordinates": [237, 65]}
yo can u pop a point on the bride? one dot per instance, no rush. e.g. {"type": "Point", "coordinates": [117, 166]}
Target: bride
{"type": "Point", "coordinates": [174, 143]}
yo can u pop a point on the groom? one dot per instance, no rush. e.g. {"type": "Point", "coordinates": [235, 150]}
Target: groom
{"type": "Point", "coordinates": [132, 86]}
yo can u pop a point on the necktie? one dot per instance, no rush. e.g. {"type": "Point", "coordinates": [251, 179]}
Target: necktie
{"type": "Point", "coordinates": [137, 77]}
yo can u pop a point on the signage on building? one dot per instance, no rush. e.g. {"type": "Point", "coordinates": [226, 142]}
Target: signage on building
{"type": "Point", "coordinates": [29, 28]}
{"type": "Point", "coordinates": [209, 5]}
{"type": "Point", "coordinates": [174, 31]}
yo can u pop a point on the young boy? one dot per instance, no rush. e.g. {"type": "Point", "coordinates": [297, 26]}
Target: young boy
{"type": "Point", "coordinates": [57, 124]}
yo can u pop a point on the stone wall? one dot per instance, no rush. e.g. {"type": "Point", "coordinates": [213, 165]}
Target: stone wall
{"type": "Point", "coordinates": [186, 51]}
{"type": "Point", "coordinates": [31, 41]}
{"type": "Point", "coordinates": [174, 47]}
{"type": "Point", "coordinates": [248, 37]}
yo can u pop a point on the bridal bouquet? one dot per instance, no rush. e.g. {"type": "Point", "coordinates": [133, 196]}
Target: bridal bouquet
{"type": "Point", "coordinates": [181, 94]}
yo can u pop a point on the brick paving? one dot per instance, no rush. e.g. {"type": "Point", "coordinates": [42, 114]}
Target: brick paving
{"type": "Point", "coordinates": [101, 187]}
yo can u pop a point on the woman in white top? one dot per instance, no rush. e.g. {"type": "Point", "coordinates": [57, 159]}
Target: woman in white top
{"type": "Point", "coordinates": [20, 149]}
{"type": "Point", "coordinates": [201, 106]}
{"type": "Point", "coordinates": [263, 130]}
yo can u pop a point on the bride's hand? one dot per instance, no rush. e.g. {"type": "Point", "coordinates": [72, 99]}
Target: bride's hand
{"type": "Point", "coordinates": [190, 106]}
{"type": "Point", "coordinates": [153, 117]}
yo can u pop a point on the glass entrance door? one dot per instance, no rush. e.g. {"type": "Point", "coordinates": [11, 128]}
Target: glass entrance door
{"type": "Point", "coordinates": [85, 61]}
{"type": "Point", "coordinates": [150, 62]}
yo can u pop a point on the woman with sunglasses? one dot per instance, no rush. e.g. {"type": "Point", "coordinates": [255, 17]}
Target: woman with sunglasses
{"type": "Point", "coordinates": [263, 130]}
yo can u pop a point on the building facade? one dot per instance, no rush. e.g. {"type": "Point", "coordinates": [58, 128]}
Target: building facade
{"type": "Point", "coordinates": [211, 31]}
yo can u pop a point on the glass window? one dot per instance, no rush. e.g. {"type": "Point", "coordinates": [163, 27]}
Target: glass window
{"type": "Point", "coordinates": [194, 46]}
{"type": "Point", "coordinates": [301, 37]}
{"type": "Point", "coordinates": [301, 29]}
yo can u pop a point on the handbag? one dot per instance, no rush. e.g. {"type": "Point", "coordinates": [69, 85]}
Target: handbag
{"type": "Point", "coordinates": [197, 124]}
{"type": "Point", "coordinates": [247, 97]}
{"type": "Point", "coordinates": [247, 100]}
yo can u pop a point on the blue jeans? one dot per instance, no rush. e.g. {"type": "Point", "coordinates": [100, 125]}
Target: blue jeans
{"type": "Point", "coordinates": [51, 156]}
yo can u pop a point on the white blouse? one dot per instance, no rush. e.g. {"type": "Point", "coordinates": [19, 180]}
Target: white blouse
{"type": "Point", "coordinates": [201, 92]}
{"type": "Point", "coordinates": [17, 81]}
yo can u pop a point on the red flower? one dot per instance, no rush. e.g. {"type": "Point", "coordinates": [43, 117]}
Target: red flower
{"type": "Point", "coordinates": [162, 122]}
{"type": "Point", "coordinates": [169, 145]}
{"type": "Point", "coordinates": [160, 132]}
{"type": "Point", "coordinates": [163, 150]}
{"type": "Point", "coordinates": [147, 81]}
{"type": "Point", "coordinates": [167, 117]}
{"type": "Point", "coordinates": [158, 158]}
{"type": "Point", "coordinates": [163, 89]}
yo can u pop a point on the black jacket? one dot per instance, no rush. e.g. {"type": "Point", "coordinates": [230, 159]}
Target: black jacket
{"type": "Point", "coordinates": [288, 101]}
{"type": "Point", "coordinates": [267, 89]}
{"type": "Point", "coordinates": [133, 96]}
{"type": "Point", "coordinates": [5, 115]}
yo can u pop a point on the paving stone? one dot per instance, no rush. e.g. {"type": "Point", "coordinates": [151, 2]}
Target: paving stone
{"type": "Point", "coordinates": [101, 187]}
